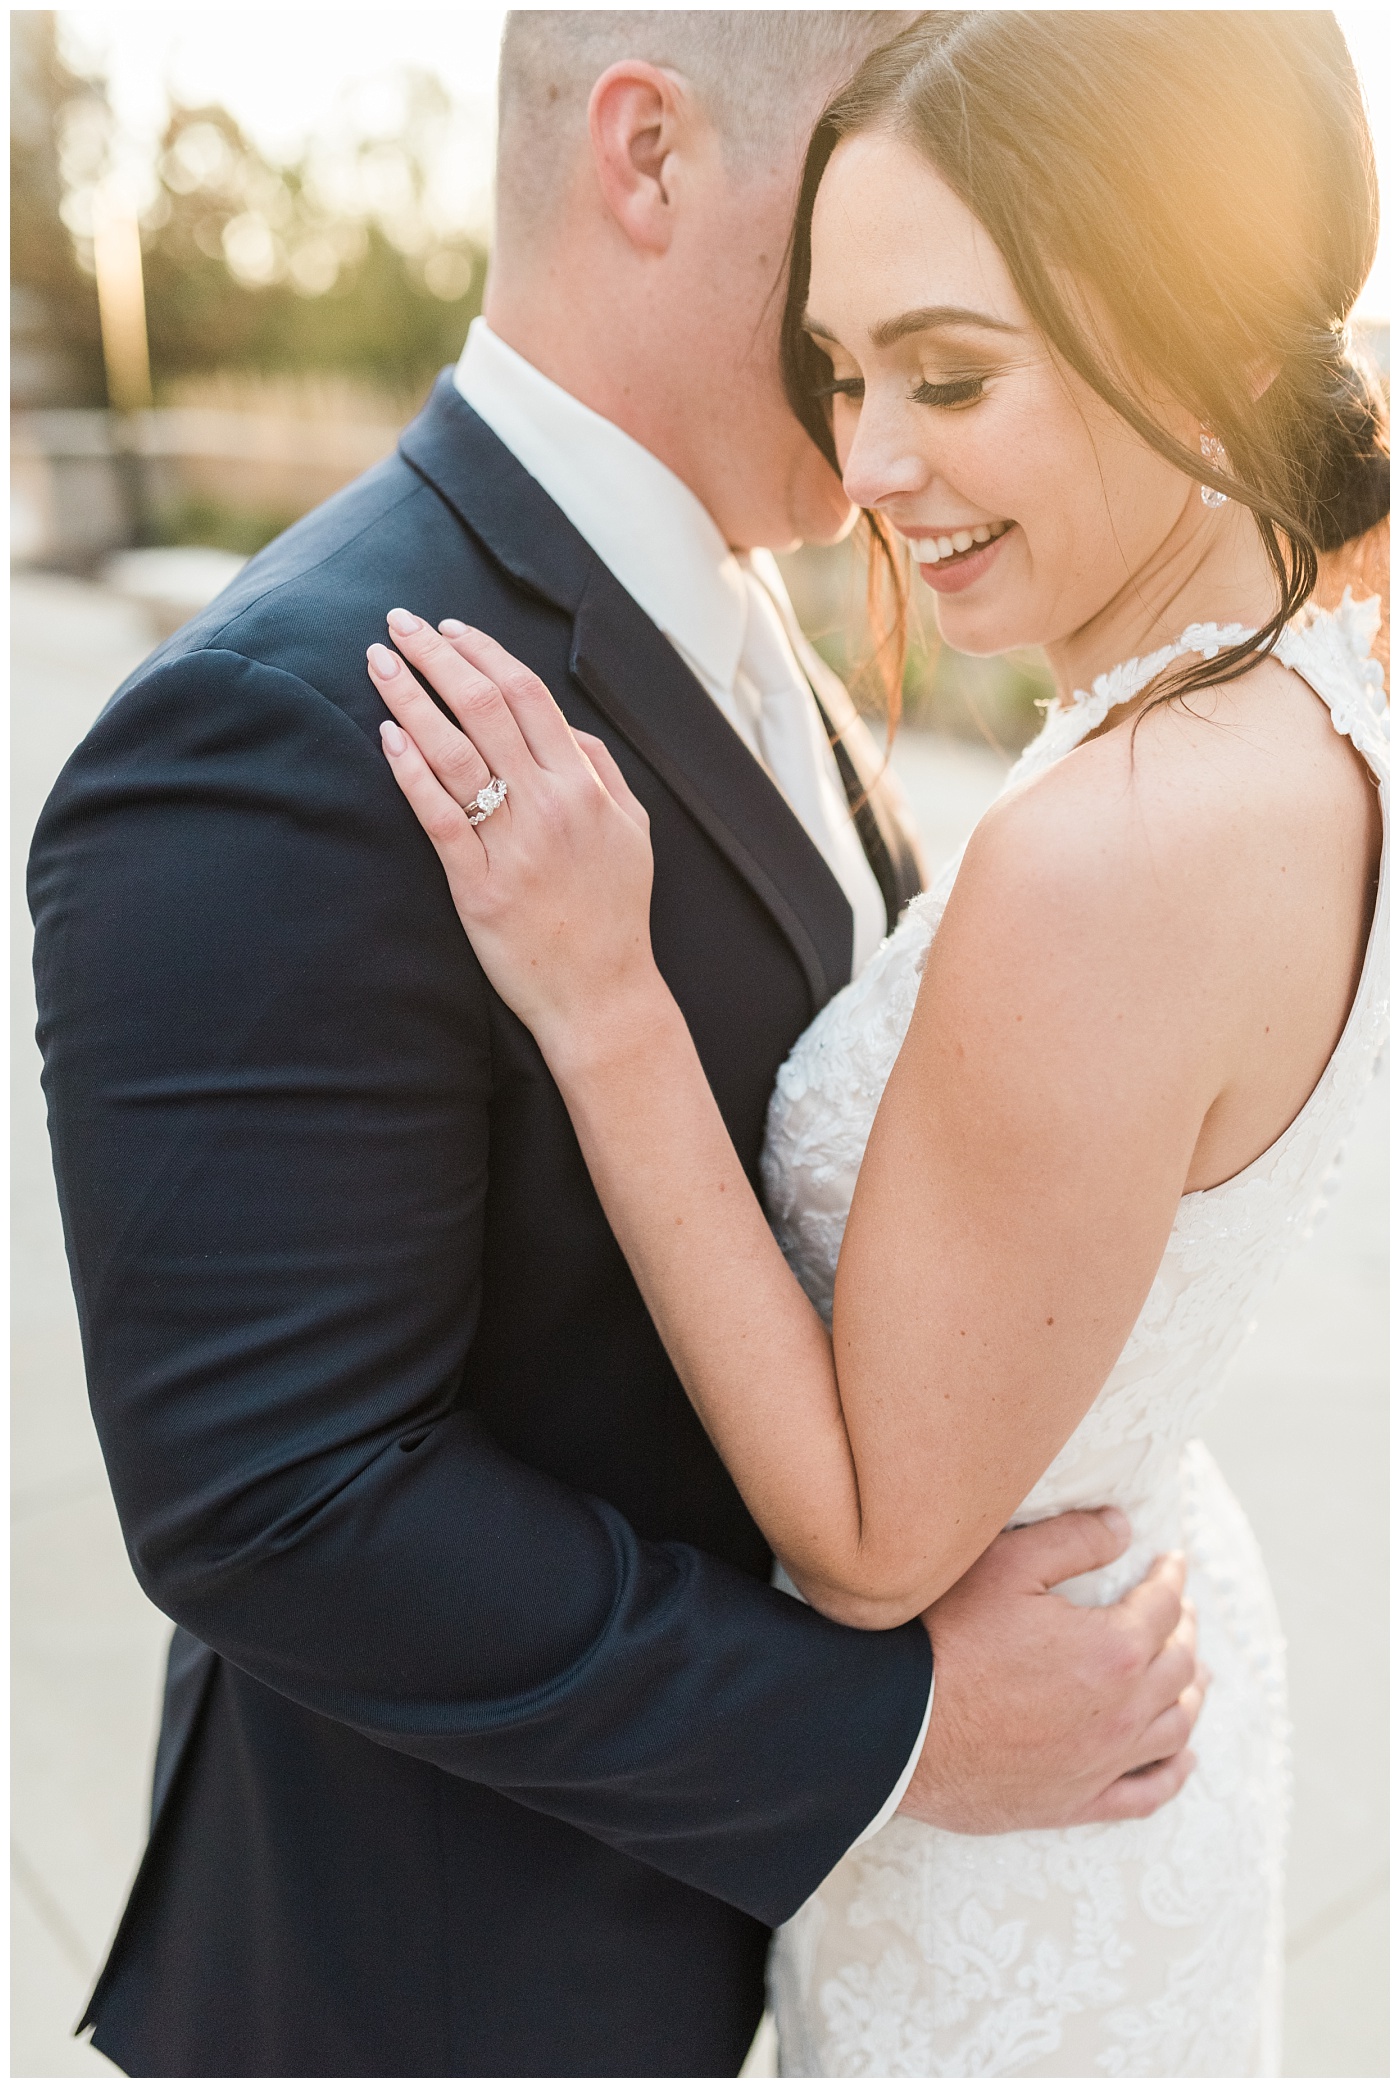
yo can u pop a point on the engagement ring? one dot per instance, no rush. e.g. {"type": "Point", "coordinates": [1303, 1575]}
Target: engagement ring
{"type": "Point", "coordinates": [488, 799]}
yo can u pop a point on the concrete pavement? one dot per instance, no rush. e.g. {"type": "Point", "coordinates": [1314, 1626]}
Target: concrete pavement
{"type": "Point", "coordinates": [1302, 1438]}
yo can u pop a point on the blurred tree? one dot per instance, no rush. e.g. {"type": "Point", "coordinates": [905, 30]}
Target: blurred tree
{"type": "Point", "coordinates": [291, 268]}
{"type": "Point", "coordinates": [351, 259]}
{"type": "Point", "coordinates": [55, 339]}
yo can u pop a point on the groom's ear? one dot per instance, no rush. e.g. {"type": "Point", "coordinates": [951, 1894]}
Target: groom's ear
{"type": "Point", "coordinates": [639, 117]}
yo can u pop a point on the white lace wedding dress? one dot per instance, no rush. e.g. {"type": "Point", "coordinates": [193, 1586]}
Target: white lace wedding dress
{"type": "Point", "coordinates": [1150, 1947]}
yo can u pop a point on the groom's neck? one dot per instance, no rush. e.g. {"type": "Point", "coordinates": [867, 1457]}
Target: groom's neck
{"type": "Point", "coordinates": [575, 334]}
{"type": "Point", "coordinates": [681, 353]}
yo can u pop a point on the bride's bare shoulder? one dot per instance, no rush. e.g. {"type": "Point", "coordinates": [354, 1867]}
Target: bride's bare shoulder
{"type": "Point", "coordinates": [1171, 836]}
{"type": "Point", "coordinates": [1195, 785]}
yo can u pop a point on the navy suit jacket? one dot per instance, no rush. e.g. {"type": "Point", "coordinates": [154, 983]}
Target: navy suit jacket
{"type": "Point", "coordinates": [487, 1747]}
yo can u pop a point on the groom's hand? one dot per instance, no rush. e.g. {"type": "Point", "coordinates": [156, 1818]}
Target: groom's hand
{"type": "Point", "coordinates": [1046, 1714]}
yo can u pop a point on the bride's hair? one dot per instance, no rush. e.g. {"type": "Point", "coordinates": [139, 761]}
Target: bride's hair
{"type": "Point", "coordinates": [1208, 180]}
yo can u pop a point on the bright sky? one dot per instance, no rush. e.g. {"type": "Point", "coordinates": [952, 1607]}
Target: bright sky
{"type": "Point", "coordinates": [285, 72]}
{"type": "Point", "coordinates": [282, 71]}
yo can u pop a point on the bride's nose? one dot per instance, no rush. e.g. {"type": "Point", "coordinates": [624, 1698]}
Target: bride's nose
{"type": "Point", "coordinates": [881, 464]}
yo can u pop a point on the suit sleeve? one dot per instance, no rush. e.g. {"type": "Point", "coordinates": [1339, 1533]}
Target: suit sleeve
{"type": "Point", "coordinates": [267, 1060]}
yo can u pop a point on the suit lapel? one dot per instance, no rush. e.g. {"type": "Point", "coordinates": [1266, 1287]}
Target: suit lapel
{"type": "Point", "coordinates": [640, 683]}
{"type": "Point", "coordinates": [494, 495]}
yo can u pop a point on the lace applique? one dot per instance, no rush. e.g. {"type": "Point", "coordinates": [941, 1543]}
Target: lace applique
{"type": "Point", "coordinates": [1149, 1948]}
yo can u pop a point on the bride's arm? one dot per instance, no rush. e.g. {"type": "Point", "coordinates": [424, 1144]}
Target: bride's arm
{"type": "Point", "coordinates": [1017, 1191]}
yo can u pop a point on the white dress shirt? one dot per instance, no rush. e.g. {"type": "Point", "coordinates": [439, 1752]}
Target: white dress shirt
{"type": "Point", "coordinates": [725, 615]}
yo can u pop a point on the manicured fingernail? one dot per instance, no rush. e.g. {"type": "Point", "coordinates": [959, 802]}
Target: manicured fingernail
{"type": "Point", "coordinates": [382, 661]}
{"type": "Point", "coordinates": [450, 627]}
{"type": "Point", "coordinates": [1116, 1522]}
{"type": "Point", "coordinates": [403, 621]}
{"type": "Point", "coordinates": [394, 737]}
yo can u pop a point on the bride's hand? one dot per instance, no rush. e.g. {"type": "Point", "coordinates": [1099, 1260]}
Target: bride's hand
{"type": "Point", "coordinates": [554, 886]}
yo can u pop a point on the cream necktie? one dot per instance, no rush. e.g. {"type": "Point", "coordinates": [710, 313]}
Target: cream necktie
{"type": "Point", "coordinates": [777, 715]}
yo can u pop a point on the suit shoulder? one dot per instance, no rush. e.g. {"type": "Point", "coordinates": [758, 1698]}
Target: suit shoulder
{"type": "Point", "coordinates": [302, 571]}
{"type": "Point", "coordinates": [316, 598]}
{"type": "Point", "coordinates": [211, 737]}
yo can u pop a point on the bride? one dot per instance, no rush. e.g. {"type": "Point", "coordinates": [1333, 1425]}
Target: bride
{"type": "Point", "coordinates": [1067, 303]}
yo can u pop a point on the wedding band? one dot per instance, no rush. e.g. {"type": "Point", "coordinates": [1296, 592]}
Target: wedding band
{"type": "Point", "coordinates": [489, 799]}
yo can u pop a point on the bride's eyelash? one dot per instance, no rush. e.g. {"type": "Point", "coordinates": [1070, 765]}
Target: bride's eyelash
{"type": "Point", "coordinates": [959, 391]}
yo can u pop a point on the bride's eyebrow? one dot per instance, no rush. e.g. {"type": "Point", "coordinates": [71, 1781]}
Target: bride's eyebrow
{"type": "Point", "coordinates": [923, 319]}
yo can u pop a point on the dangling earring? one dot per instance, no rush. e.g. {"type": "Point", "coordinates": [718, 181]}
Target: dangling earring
{"type": "Point", "coordinates": [1213, 450]}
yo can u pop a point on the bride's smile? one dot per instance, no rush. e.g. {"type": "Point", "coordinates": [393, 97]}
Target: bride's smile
{"type": "Point", "coordinates": [950, 559]}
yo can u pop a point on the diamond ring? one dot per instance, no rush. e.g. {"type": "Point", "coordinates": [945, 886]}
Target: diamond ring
{"type": "Point", "coordinates": [488, 799]}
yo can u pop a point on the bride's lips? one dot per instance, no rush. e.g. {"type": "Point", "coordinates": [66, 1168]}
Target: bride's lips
{"type": "Point", "coordinates": [956, 569]}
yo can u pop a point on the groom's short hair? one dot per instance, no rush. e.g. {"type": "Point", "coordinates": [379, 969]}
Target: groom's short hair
{"type": "Point", "coordinates": [746, 66]}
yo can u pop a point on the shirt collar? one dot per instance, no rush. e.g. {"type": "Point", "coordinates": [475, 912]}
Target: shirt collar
{"type": "Point", "coordinates": [643, 522]}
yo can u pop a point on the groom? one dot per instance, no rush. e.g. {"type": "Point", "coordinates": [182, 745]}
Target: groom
{"type": "Point", "coordinates": [487, 1747]}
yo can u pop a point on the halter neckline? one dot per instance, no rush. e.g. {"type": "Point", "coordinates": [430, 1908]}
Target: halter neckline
{"type": "Point", "coordinates": [1329, 648]}
{"type": "Point", "coordinates": [1130, 677]}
